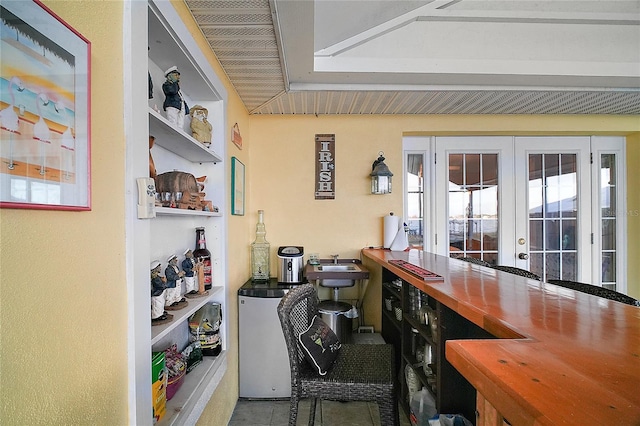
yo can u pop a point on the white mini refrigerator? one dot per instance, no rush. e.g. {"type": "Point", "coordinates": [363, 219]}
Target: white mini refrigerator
{"type": "Point", "coordinates": [264, 362]}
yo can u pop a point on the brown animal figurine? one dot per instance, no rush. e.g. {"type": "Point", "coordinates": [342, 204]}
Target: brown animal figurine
{"type": "Point", "coordinates": [186, 184]}
{"type": "Point", "coordinates": [176, 182]}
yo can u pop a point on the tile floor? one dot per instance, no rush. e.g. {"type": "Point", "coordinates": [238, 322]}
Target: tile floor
{"type": "Point", "coordinates": [328, 413]}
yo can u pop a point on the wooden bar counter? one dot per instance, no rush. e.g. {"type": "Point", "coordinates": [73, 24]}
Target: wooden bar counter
{"type": "Point", "coordinates": [561, 357]}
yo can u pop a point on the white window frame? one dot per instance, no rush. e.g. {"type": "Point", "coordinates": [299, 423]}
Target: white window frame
{"type": "Point", "coordinates": [609, 145]}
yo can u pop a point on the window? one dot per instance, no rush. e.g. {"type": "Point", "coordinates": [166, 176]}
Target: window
{"type": "Point", "coordinates": [553, 205]}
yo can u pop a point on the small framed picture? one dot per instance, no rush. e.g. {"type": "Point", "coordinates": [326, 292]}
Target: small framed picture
{"type": "Point", "coordinates": [237, 187]}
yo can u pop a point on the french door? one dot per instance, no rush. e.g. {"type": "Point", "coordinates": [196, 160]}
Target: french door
{"type": "Point", "coordinates": [545, 204]}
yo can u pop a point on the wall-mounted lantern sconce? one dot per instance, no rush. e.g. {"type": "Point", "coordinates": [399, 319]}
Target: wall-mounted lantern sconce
{"type": "Point", "coordinates": [380, 176]}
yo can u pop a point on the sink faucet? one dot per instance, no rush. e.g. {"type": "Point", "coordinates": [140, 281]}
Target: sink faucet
{"type": "Point", "coordinates": [335, 258]}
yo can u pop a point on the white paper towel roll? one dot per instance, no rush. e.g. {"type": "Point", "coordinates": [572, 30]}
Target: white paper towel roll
{"type": "Point", "coordinates": [400, 242]}
{"type": "Point", "coordinates": [391, 225]}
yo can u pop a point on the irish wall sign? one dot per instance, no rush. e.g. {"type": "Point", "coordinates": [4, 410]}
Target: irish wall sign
{"type": "Point", "coordinates": [325, 167]}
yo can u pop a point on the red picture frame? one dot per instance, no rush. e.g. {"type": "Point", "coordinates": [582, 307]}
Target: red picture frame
{"type": "Point", "coordinates": [45, 110]}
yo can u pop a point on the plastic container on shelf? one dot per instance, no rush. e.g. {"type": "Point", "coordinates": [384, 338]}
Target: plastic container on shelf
{"type": "Point", "coordinates": [413, 302]}
{"type": "Point", "coordinates": [422, 407]}
{"type": "Point", "coordinates": [174, 383]}
{"type": "Point", "coordinates": [427, 360]}
{"type": "Point", "coordinates": [397, 310]}
{"type": "Point", "coordinates": [420, 352]}
{"type": "Point", "coordinates": [388, 303]}
{"type": "Point", "coordinates": [412, 380]}
{"type": "Point", "coordinates": [424, 311]}
{"type": "Point", "coordinates": [433, 324]}
{"type": "Point", "coordinates": [414, 341]}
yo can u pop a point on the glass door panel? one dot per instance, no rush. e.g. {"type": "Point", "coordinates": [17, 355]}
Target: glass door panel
{"type": "Point", "coordinates": [609, 226]}
{"type": "Point", "coordinates": [414, 199]}
{"type": "Point", "coordinates": [473, 206]}
{"type": "Point", "coordinates": [472, 193]}
{"type": "Point", "coordinates": [557, 188]}
{"type": "Point", "coordinates": [552, 215]}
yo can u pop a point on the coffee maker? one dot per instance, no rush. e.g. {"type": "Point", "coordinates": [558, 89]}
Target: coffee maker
{"type": "Point", "coordinates": [290, 264]}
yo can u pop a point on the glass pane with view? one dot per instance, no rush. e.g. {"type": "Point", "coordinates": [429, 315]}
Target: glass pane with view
{"type": "Point", "coordinates": [473, 206]}
{"type": "Point", "coordinates": [608, 209]}
{"type": "Point", "coordinates": [415, 197]}
{"type": "Point", "coordinates": [553, 212]}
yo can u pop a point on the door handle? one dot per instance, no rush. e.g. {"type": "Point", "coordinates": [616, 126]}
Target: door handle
{"type": "Point", "coordinates": [523, 256]}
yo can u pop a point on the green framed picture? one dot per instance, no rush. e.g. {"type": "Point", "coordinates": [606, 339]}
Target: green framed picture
{"type": "Point", "coordinates": [237, 187]}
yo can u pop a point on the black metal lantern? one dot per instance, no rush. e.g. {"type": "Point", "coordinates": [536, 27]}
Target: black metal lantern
{"type": "Point", "coordinates": [380, 176]}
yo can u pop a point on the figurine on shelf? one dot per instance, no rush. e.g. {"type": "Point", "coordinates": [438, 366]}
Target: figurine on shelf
{"type": "Point", "coordinates": [158, 290]}
{"type": "Point", "coordinates": [150, 81]}
{"type": "Point", "coordinates": [174, 104]}
{"type": "Point", "coordinates": [152, 165]}
{"type": "Point", "coordinates": [174, 299]}
{"type": "Point", "coordinates": [150, 87]}
{"type": "Point", "coordinates": [189, 267]}
{"type": "Point", "coordinates": [200, 127]}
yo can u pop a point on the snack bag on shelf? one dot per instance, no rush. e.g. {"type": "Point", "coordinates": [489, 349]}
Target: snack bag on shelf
{"type": "Point", "coordinates": [204, 327]}
{"type": "Point", "coordinates": [192, 355]}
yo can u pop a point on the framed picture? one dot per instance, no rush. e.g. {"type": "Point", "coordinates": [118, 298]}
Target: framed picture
{"type": "Point", "coordinates": [237, 187]}
{"type": "Point", "coordinates": [236, 138]}
{"type": "Point", "coordinates": [45, 89]}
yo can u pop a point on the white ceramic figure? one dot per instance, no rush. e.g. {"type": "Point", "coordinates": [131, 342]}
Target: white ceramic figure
{"type": "Point", "coordinates": [200, 127]}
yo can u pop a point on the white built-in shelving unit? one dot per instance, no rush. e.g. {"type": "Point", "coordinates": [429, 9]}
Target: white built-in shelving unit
{"type": "Point", "coordinates": [158, 39]}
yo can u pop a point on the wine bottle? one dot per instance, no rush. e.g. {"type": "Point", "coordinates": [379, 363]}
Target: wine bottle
{"type": "Point", "coordinates": [202, 255]}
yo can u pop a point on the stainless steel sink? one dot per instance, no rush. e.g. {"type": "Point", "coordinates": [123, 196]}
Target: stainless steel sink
{"type": "Point", "coordinates": [334, 268]}
{"type": "Point", "coordinates": [336, 275]}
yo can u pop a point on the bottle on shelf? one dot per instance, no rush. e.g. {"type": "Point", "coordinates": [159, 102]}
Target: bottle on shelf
{"type": "Point", "coordinates": [260, 249]}
{"type": "Point", "coordinates": [202, 255]}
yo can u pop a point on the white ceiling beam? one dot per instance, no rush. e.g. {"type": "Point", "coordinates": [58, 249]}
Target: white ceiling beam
{"type": "Point", "coordinates": [438, 11]}
{"type": "Point", "coordinates": [377, 87]}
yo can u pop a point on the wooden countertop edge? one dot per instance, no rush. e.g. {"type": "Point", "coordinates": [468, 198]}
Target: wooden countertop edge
{"type": "Point", "coordinates": [531, 392]}
{"type": "Point", "coordinates": [506, 401]}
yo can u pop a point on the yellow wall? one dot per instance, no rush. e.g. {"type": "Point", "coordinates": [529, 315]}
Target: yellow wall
{"type": "Point", "coordinates": [63, 304]}
{"type": "Point", "coordinates": [63, 295]}
{"type": "Point", "coordinates": [633, 215]}
{"type": "Point", "coordinates": [283, 167]}
{"type": "Point", "coordinates": [63, 289]}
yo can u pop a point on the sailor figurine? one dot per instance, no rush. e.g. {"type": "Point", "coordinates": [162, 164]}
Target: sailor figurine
{"type": "Point", "coordinates": [174, 300]}
{"type": "Point", "coordinates": [174, 104]}
{"type": "Point", "coordinates": [158, 290]}
{"type": "Point", "coordinates": [189, 266]}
